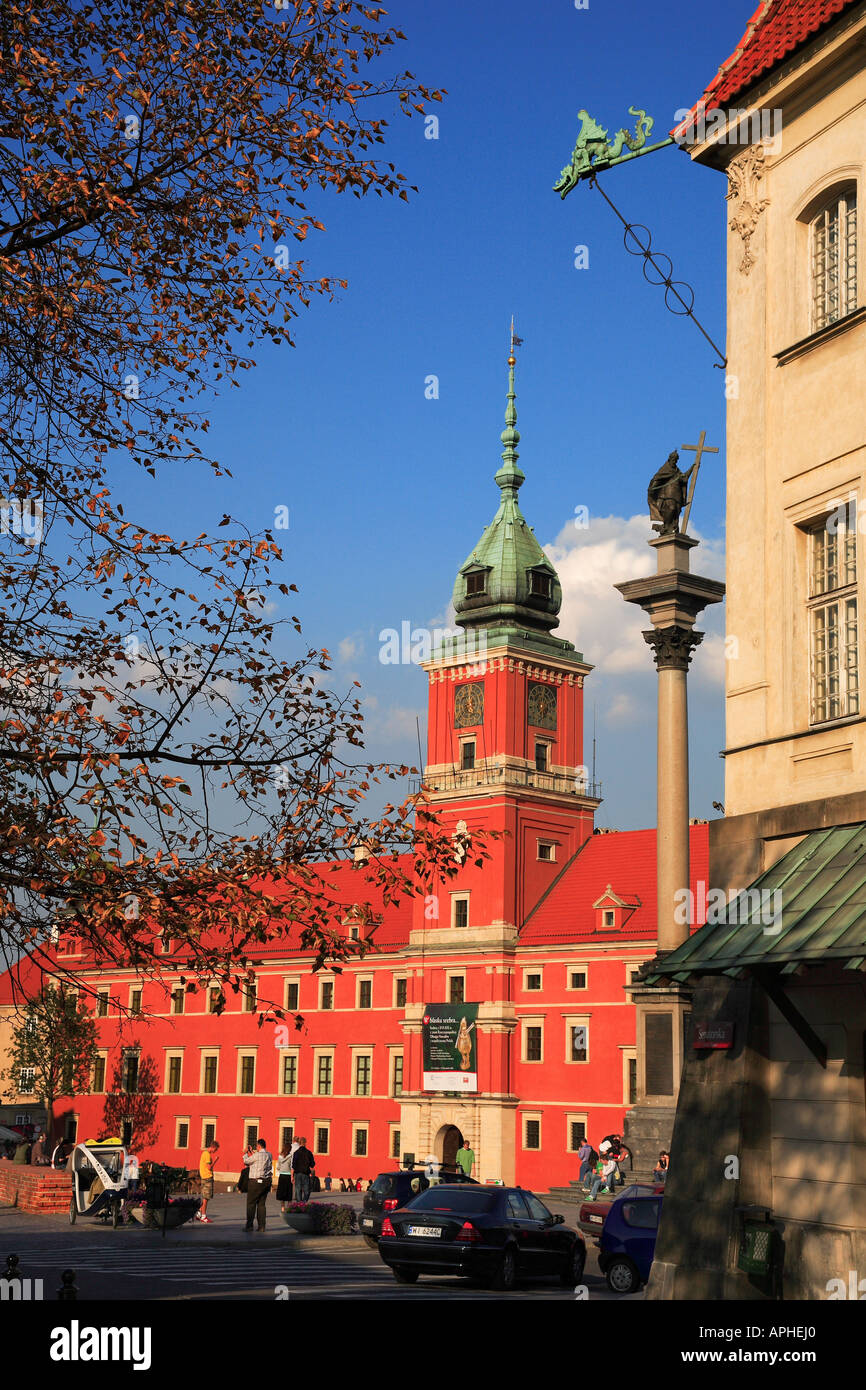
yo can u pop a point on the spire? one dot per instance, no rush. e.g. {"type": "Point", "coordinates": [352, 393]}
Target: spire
{"type": "Point", "coordinates": [509, 475]}
{"type": "Point", "coordinates": [507, 584]}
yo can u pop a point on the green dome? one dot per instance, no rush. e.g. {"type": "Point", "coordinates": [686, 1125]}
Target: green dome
{"type": "Point", "coordinates": [508, 581]}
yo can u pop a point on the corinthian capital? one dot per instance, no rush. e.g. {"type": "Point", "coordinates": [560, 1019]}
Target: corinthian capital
{"type": "Point", "coordinates": [673, 646]}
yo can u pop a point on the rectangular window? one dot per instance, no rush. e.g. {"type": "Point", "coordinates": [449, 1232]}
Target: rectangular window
{"type": "Point", "coordinates": [324, 1075]}
{"type": "Point", "coordinates": [541, 757]}
{"type": "Point", "coordinates": [208, 1133]}
{"type": "Point", "coordinates": [135, 1001]}
{"type": "Point", "coordinates": [533, 981]}
{"type": "Point", "coordinates": [26, 1080]}
{"type": "Point", "coordinates": [397, 1074]}
{"type": "Point", "coordinates": [293, 990]}
{"type": "Point", "coordinates": [102, 1004]}
{"type": "Point", "coordinates": [460, 910]}
{"type": "Point", "coordinates": [533, 1043]}
{"type": "Point", "coordinates": [395, 1143]}
{"type": "Point", "coordinates": [632, 1081]}
{"type": "Point", "coordinates": [532, 1134]}
{"type": "Point", "coordinates": [209, 1076]}
{"type": "Point", "coordinates": [362, 1075]}
{"type": "Point", "coordinates": [173, 1077]}
{"type": "Point", "coordinates": [323, 1135]}
{"type": "Point", "coordinates": [177, 999]}
{"type": "Point", "coordinates": [214, 996]}
{"type": "Point", "coordinates": [401, 991]}
{"type": "Point", "coordinates": [360, 1148]}
{"type": "Point", "coordinates": [834, 260]}
{"type": "Point", "coordinates": [467, 755]}
{"type": "Point", "coordinates": [182, 1140]}
{"type": "Point", "coordinates": [290, 1076]}
{"type": "Point", "coordinates": [546, 851]}
{"type": "Point", "coordinates": [833, 620]}
{"type": "Point", "coordinates": [129, 1073]}
{"type": "Point", "coordinates": [327, 997]}
{"type": "Point", "coordinates": [577, 979]}
{"type": "Point", "coordinates": [576, 1134]}
{"type": "Point", "coordinates": [251, 1132]}
{"type": "Point", "coordinates": [608, 917]}
{"type": "Point", "coordinates": [579, 1037]}
{"type": "Point", "coordinates": [287, 1134]}
{"type": "Point", "coordinates": [365, 994]}
{"type": "Point", "coordinates": [456, 989]}
{"type": "Point", "coordinates": [476, 582]}
{"type": "Point", "coordinates": [249, 997]}
{"type": "Point", "coordinates": [98, 1083]}
{"type": "Point", "coordinates": [247, 1078]}
{"type": "Point", "coordinates": [539, 583]}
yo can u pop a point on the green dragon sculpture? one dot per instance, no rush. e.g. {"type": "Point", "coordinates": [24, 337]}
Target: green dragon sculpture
{"type": "Point", "coordinates": [593, 150]}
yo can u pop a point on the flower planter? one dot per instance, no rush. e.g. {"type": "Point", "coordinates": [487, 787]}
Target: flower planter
{"type": "Point", "coordinates": [175, 1215]}
{"type": "Point", "coordinates": [299, 1221]}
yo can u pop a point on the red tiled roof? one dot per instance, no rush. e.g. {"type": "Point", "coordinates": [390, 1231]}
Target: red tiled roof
{"type": "Point", "coordinates": [626, 861]}
{"type": "Point", "coordinates": [775, 30]}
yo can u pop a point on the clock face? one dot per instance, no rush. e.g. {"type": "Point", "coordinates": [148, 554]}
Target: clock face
{"type": "Point", "coordinates": [541, 710]}
{"type": "Point", "coordinates": [468, 705]}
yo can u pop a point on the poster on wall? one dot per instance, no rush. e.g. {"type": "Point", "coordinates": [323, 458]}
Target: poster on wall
{"type": "Point", "coordinates": [450, 1049]}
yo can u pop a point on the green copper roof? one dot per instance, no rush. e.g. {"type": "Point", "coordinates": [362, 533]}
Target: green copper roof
{"type": "Point", "coordinates": [809, 908]}
{"type": "Point", "coordinates": [518, 592]}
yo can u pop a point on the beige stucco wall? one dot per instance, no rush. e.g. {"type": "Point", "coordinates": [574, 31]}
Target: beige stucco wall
{"type": "Point", "coordinates": [796, 431]}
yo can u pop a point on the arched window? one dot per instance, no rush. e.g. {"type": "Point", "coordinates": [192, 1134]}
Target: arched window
{"type": "Point", "coordinates": [834, 258]}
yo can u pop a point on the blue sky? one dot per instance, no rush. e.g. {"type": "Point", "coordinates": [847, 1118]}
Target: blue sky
{"type": "Point", "coordinates": [388, 490]}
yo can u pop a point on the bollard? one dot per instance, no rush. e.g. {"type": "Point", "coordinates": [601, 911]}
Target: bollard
{"type": "Point", "coordinates": [67, 1293]}
{"type": "Point", "coordinates": [12, 1270]}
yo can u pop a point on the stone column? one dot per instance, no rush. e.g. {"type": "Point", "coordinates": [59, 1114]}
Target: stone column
{"type": "Point", "coordinates": [672, 598]}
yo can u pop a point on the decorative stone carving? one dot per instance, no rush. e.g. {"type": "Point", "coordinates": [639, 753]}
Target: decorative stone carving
{"type": "Point", "coordinates": [744, 175]}
{"type": "Point", "coordinates": [672, 646]}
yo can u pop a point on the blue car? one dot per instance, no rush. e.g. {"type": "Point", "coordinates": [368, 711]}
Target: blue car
{"type": "Point", "coordinates": [628, 1241]}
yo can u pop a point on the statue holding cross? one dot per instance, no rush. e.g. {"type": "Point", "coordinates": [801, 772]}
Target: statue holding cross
{"type": "Point", "coordinates": [671, 490]}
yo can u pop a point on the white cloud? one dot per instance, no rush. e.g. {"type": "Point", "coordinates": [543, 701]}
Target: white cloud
{"type": "Point", "coordinates": [350, 647]}
{"type": "Point", "coordinates": [590, 561]}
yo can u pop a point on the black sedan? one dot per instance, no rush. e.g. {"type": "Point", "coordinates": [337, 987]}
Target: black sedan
{"type": "Point", "coordinates": [488, 1233]}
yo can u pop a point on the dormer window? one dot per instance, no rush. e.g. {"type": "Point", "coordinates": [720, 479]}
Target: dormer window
{"type": "Point", "coordinates": [608, 918]}
{"type": "Point", "coordinates": [614, 911]}
{"type": "Point", "coordinates": [540, 583]}
{"type": "Point", "coordinates": [476, 583]}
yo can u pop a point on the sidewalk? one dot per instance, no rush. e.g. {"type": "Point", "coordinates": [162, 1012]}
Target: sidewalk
{"type": "Point", "coordinates": [227, 1229]}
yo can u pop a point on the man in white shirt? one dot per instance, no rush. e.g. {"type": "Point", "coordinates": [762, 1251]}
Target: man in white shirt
{"type": "Point", "coordinates": [261, 1167]}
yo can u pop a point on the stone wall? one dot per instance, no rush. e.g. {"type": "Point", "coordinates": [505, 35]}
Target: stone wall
{"type": "Point", "coordinates": [43, 1191]}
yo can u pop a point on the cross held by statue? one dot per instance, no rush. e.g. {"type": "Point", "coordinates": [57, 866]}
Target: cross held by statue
{"type": "Point", "coordinates": [699, 450]}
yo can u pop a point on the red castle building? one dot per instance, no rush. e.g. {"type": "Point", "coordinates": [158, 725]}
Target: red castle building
{"type": "Point", "coordinates": [532, 953]}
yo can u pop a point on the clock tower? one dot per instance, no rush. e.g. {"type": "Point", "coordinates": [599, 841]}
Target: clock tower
{"type": "Point", "coordinates": [505, 726]}
{"type": "Point", "coordinates": [505, 754]}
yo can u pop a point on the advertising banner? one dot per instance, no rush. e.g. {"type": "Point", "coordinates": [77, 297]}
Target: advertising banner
{"type": "Point", "coordinates": [450, 1049]}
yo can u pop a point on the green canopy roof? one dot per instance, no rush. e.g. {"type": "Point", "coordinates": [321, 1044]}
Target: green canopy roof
{"type": "Point", "coordinates": [809, 908]}
{"type": "Point", "coordinates": [508, 584]}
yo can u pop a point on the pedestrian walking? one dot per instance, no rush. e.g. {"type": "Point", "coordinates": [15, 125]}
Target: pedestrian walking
{"type": "Point", "coordinates": [284, 1176]}
{"type": "Point", "coordinates": [130, 1173]}
{"type": "Point", "coordinates": [327, 1182]}
{"type": "Point", "coordinates": [261, 1170]}
{"type": "Point", "coordinates": [38, 1154]}
{"type": "Point", "coordinates": [205, 1170]}
{"type": "Point", "coordinates": [303, 1164]}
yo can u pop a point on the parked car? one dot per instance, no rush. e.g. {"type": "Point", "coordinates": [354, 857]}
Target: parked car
{"type": "Point", "coordinates": [491, 1233]}
{"type": "Point", "coordinates": [389, 1191]}
{"type": "Point", "coordinates": [591, 1216]}
{"type": "Point", "coordinates": [628, 1240]}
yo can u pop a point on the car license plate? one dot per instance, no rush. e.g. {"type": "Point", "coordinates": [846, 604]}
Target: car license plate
{"type": "Point", "coordinates": [425, 1231]}
{"type": "Point", "coordinates": [367, 1221]}
{"type": "Point", "coordinates": [599, 1219]}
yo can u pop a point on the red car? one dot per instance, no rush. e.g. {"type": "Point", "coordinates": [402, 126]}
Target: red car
{"type": "Point", "coordinates": [591, 1215]}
